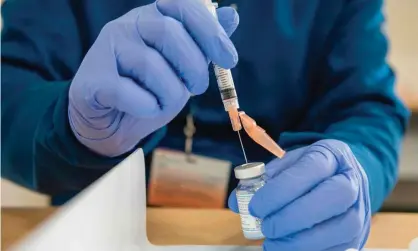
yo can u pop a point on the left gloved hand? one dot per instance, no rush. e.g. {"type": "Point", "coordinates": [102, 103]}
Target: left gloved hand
{"type": "Point", "coordinates": [315, 198]}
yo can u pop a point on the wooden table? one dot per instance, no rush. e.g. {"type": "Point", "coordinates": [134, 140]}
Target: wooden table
{"type": "Point", "coordinates": [189, 226]}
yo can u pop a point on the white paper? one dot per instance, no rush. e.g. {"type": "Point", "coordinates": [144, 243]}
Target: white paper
{"type": "Point", "coordinates": [110, 215]}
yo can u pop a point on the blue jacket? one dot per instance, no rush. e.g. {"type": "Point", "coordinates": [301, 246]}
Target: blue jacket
{"type": "Point", "coordinates": [308, 70]}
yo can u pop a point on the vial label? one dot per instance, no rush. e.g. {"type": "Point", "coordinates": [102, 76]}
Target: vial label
{"type": "Point", "coordinates": [248, 222]}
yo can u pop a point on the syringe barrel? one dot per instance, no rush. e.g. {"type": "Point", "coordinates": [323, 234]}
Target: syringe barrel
{"type": "Point", "coordinates": [224, 76]}
{"type": "Point", "coordinates": [226, 88]}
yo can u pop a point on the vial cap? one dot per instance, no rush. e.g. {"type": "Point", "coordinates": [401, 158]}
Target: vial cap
{"type": "Point", "coordinates": [249, 170]}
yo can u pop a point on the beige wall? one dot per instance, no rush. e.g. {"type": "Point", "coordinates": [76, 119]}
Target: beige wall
{"type": "Point", "coordinates": [402, 27]}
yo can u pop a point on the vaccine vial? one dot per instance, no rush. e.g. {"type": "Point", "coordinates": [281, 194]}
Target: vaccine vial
{"type": "Point", "coordinates": [251, 178]}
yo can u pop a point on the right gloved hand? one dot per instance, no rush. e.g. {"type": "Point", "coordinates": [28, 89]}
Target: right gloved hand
{"type": "Point", "coordinates": [142, 69]}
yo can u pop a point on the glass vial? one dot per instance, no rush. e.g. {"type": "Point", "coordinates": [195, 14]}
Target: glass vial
{"type": "Point", "coordinates": [251, 178]}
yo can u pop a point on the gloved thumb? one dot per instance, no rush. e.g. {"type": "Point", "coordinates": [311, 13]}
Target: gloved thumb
{"type": "Point", "coordinates": [228, 18]}
{"type": "Point", "coordinates": [232, 201]}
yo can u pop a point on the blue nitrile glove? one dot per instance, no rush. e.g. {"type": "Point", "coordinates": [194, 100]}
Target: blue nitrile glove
{"type": "Point", "coordinates": [315, 198]}
{"type": "Point", "coordinates": [142, 69]}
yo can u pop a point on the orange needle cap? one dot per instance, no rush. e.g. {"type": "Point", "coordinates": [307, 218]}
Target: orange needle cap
{"type": "Point", "coordinates": [234, 117]}
{"type": "Point", "coordinates": [260, 136]}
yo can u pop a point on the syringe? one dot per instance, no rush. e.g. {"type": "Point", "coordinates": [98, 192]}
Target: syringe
{"type": "Point", "coordinates": [226, 84]}
{"type": "Point", "coordinates": [230, 100]}
{"type": "Point", "coordinates": [227, 88]}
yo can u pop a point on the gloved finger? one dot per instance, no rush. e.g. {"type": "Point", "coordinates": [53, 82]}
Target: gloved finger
{"type": "Point", "coordinates": [276, 166]}
{"type": "Point", "coordinates": [314, 166]}
{"type": "Point", "coordinates": [228, 18]}
{"type": "Point", "coordinates": [152, 72]}
{"type": "Point", "coordinates": [338, 230]}
{"type": "Point", "coordinates": [232, 201]}
{"type": "Point", "coordinates": [127, 96]}
{"type": "Point", "coordinates": [204, 29]}
{"type": "Point", "coordinates": [330, 198]}
{"type": "Point", "coordinates": [169, 37]}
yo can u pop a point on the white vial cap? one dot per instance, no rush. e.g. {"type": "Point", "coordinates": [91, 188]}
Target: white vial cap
{"type": "Point", "coordinates": [249, 170]}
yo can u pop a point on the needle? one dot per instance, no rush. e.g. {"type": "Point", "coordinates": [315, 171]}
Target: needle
{"type": "Point", "coordinates": [242, 147]}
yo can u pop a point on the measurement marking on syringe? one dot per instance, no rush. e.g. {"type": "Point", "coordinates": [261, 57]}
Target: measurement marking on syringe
{"type": "Point", "coordinates": [226, 88]}
{"type": "Point", "coordinates": [224, 78]}
{"type": "Point", "coordinates": [228, 93]}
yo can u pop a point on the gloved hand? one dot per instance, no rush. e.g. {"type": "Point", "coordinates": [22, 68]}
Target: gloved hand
{"type": "Point", "coordinates": [142, 69]}
{"type": "Point", "coordinates": [315, 198]}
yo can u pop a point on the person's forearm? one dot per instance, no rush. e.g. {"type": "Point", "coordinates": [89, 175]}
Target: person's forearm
{"type": "Point", "coordinates": [379, 161]}
{"type": "Point", "coordinates": [20, 121]}
{"type": "Point", "coordinates": [38, 150]}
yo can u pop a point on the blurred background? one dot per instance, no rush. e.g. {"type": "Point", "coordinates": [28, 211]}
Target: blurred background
{"type": "Point", "coordinates": [402, 29]}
